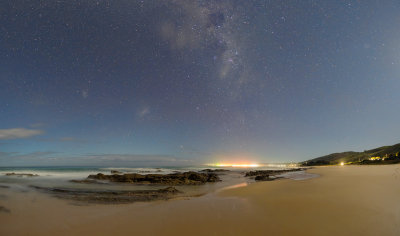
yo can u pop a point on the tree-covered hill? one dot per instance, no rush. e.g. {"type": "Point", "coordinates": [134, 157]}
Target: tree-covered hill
{"type": "Point", "coordinates": [381, 155]}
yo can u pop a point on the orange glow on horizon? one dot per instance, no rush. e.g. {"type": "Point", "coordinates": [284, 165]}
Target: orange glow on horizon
{"type": "Point", "coordinates": [234, 165]}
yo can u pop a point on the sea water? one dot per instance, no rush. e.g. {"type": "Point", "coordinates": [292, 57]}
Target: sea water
{"type": "Point", "coordinates": [60, 177]}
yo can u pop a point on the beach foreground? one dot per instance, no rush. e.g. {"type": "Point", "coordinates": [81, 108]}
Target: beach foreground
{"type": "Point", "coordinates": [344, 200]}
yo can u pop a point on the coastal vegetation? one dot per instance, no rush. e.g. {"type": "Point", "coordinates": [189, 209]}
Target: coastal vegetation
{"type": "Point", "coordinates": [376, 156]}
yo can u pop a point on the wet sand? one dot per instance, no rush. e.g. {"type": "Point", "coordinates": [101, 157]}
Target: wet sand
{"type": "Point", "coordinates": [349, 200]}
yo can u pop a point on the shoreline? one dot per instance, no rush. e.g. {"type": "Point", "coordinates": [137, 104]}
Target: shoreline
{"type": "Point", "coordinates": [349, 200]}
{"type": "Point", "coordinates": [126, 187]}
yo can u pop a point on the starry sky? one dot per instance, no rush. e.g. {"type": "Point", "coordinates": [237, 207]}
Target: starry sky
{"type": "Point", "coordinates": [175, 82]}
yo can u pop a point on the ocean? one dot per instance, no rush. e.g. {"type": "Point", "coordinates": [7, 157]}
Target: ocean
{"type": "Point", "coordinates": [61, 176]}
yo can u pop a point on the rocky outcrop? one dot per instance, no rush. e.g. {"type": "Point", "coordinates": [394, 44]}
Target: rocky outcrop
{"type": "Point", "coordinates": [111, 197]}
{"type": "Point", "coordinates": [186, 178]}
{"type": "Point", "coordinates": [116, 172]}
{"type": "Point", "coordinates": [85, 181]}
{"type": "Point", "coordinates": [4, 210]}
{"type": "Point", "coordinates": [21, 174]}
{"type": "Point", "coordinates": [265, 178]}
{"type": "Point", "coordinates": [270, 172]}
{"type": "Point", "coordinates": [268, 175]}
{"type": "Point", "coordinates": [214, 171]}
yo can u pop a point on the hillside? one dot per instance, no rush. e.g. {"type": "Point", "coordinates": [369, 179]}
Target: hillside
{"type": "Point", "coordinates": [381, 155]}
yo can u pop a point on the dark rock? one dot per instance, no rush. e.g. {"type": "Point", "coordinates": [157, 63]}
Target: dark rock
{"type": "Point", "coordinates": [261, 177]}
{"type": "Point", "coordinates": [4, 186]}
{"type": "Point", "coordinates": [85, 181]}
{"type": "Point", "coordinates": [265, 178]}
{"type": "Point", "coordinates": [214, 170]}
{"type": "Point", "coordinates": [115, 197]}
{"type": "Point", "coordinates": [271, 172]}
{"type": "Point", "coordinates": [268, 175]}
{"type": "Point", "coordinates": [4, 210]}
{"type": "Point", "coordinates": [259, 173]}
{"type": "Point", "coordinates": [169, 190]}
{"type": "Point", "coordinates": [21, 174]}
{"type": "Point", "coordinates": [116, 172]}
{"type": "Point", "coordinates": [186, 178]}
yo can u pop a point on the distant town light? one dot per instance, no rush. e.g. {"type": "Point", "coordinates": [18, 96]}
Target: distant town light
{"type": "Point", "coordinates": [234, 165]}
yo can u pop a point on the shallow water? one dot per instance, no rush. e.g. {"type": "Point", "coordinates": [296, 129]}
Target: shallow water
{"type": "Point", "coordinates": [59, 177]}
{"type": "Point", "coordinates": [298, 175]}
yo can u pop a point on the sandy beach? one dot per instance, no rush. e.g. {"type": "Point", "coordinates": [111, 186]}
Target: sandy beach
{"type": "Point", "coordinates": [348, 200]}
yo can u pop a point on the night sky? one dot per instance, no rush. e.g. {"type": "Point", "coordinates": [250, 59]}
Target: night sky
{"type": "Point", "coordinates": [174, 82]}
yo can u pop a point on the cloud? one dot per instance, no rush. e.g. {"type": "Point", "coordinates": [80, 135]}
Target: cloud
{"type": "Point", "coordinates": [6, 154]}
{"type": "Point", "coordinates": [131, 157]}
{"type": "Point", "coordinates": [37, 125]}
{"type": "Point", "coordinates": [145, 111]}
{"type": "Point", "coordinates": [44, 158]}
{"type": "Point", "coordinates": [85, 93]}
{"type": "Point", "coordinates": [69, 139]}
{"type": "Point", "coordinates": [49, 158]}
{"type": "Point", "coordinates": [17, 133]}
{"type": "Point", "coordinates": [33, 155]}
{"type": "Point", "coordinates": [135, 160]}
{"type": "Point", "coordinates": [28, 159]}
{"type": "Point", "coordinates": [64, 140]}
